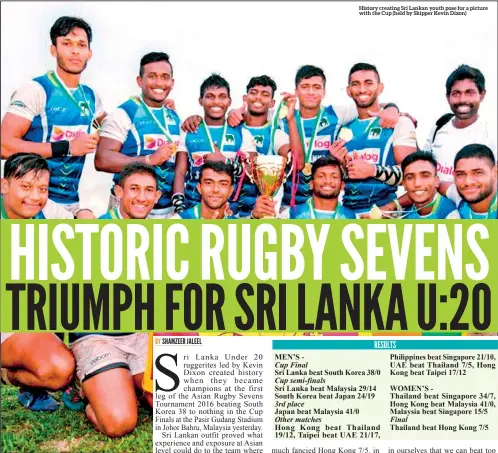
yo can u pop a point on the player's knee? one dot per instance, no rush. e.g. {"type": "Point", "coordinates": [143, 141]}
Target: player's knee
{"type": "Point", "coordinates": [119, 422]}
{"type": "Point", "coordinates": [57, 371]}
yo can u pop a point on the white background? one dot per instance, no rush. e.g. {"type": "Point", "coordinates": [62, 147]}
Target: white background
{"type": "Point", "coordinates": [414, 55]}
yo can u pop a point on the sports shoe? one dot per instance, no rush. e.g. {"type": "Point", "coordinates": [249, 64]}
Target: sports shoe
{"type": "Point", "coordinates": [37, 400]}
{"type": "Point", "coordinates": [72, 396]}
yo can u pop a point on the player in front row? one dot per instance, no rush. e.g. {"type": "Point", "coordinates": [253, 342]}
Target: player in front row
{"type": "Point", "coordinates": [475, 181]}
{"type": "Point", "coordinates": [421, 184]}
{"type": "Point", "coordinates": [143, 129]}
{"type": "Point", "coordinates": [136, 192]}
{"type": "Point", "coordinates": [215, 187]}
{"type": "Point", "coordinates": [326, 185]}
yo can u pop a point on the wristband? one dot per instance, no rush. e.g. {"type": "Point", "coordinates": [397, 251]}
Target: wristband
{"type": "Point", "coordinates": [147, 159]}
{"type": "Point", "coordinates": [60, 149]}
{"type": "Point", "coordinates": [178, 202]}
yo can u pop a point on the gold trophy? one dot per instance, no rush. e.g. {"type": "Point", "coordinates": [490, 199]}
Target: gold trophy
{"type": "Point", "coordinates": [267, 173]}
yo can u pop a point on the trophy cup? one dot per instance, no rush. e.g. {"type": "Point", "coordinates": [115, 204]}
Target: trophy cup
{"type": "Point", "coordinates": [268, 174]}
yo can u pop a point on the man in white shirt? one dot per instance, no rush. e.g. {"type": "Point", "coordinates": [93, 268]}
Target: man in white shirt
{"type": "Point", "coordinates": [465, 90]}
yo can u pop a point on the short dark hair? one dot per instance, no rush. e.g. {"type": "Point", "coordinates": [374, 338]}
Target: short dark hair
{"type": "Point", "coordinates": [326, 161]}
{"type": "Point", "coordinates": [464, 72]}
{"type": "Point", "coordinates": [218, 167]}
{"type": "Point", "coordinates": [214, 80]}
{"type": "Point", "coordinates": [19, 165]}
{"type": "Point", "coordinates": [63, 26]}
{"type": "Point", "coordinates": [419, 155]}
{"type": "Point", "coordinates": [475, 150]}
{"type": "Point", "coordinates": [135, 168]}
{"type": "Point", "coordinates": [308, 71]}
{"type": "Point", "coordinates": [153, 57]}
{"type": "Point", "coordinates": [363, 67]}
{"type": "Point", "coordinates": [264, 81]}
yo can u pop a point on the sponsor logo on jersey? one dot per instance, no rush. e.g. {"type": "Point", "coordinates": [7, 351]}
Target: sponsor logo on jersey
{"type": "Point", "coordinates": [322, 142]}
{"type": "Point", "coordinates": [374, 133]}
{"type": "Point", "coordinates": [67, 132]}
{"type": "Point", "coordinates": [229, 139]}
{"type": "Point", "coordinates": [445, 170]}
{"type": "Point", "coordinates": [370, 155]}
{"type": "Point", "coordinates": [198, 158]}
{"type": "Point", "coordinates": [154, 141]}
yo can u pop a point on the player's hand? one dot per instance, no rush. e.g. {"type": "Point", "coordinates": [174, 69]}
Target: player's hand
{"type": "Point", "coordinates": [191, 124]}
{"type": "Point", "coordinates": [388, 117]}
{"type": "Point", "coordinates": [84, 144]}
{"type": "Point", "coordinates": [216, 156]}
{"type": "Point", "coordinates": [359, 169]}
{"type": "Point", "coordinates": [339, 151]}
{"type": "Point", "coordinates": [169, 104]}
{"type": "Point", "coordinates": [290, 102]}
{"type": "Point", "coordinates": [162, 154]}
{"type": "Point", "coordinates": [235, 117]}
{"type": "Point", "coordinates": [264, 206]}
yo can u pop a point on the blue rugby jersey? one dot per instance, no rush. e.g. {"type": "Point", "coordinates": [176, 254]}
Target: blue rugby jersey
{"type": "Point", "coordinates": [441, 209]}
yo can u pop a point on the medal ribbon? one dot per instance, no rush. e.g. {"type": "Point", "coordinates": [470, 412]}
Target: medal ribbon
{"type": "Point", "coordinates": [300, 125]}
{"type": "Point", "coordinates": [311, 206]}
{"type": "Point", "coordinates": [492, 208]}
{"type": "Point", "coordinates": [274, 127]}
{"type": "Point", "coordinates": [164, 129]}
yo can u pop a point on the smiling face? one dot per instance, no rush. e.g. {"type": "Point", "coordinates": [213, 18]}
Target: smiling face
{"type": "Point", "coordinates": [465, 99]}
{"type": "Point", "coordinates": [215, 188]}
{"type": "Point", "coordinates": [156, 82]}
{"type": "Point", "coordinates": [72, 51]}
{"type": "Point", "coordinates": [259, 100]}
{"type": "Point", "coordinates": [138, 195]}
{"type": "Point", "coordinates": [215, 102]}
{"type": "Point", "coordinates": [364, 88]}
{"type": "Point", "coordinates": [25, 197]}
{"type": "Point", "coordinates": [421, 182]}
{"type": "Point", "coordinates": [475, 179]}
{"type": "Point", "coordinates": [327, 182]}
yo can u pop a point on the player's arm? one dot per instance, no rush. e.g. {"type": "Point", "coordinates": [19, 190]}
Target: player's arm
{"type": "Point", "coordinates": [294, 138]}
{"type": "Point", "coordinates": [181, 168]}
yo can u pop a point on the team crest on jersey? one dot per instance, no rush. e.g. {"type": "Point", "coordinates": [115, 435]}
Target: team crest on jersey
{"type": "Point", "coordinates": [324, 122]}
{"type": "Point", "coordinates": [258, 140]}
{"type": "Point", "coordinates": [374, 133]}
{"type": "Point", "coordinates": [67, 132]}
{"type": "Point", "coordinates": [170, 119]}
{"type": "Point", "coordinates": [229, 139]}
{"type": "Point", "coordinates": [85, 108]}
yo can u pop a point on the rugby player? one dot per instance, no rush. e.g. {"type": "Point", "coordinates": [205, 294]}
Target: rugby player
{"type": "Point", "coordinates": [136, 190]}
{"type": "Point", "coordinates": [371, 154]}
{"type": "Point", "coordinates": [143, 129]}
{"type": "Point", "coordinates": [326, 185]}
{"type": "Point", "coordinates": [421, 183]}
{"type": "Point", "coordinates": [55, 116]}
{"type": "Point", "coordinates": [215, 187]}
{"type": "Point", "coordinates": [214, 140]}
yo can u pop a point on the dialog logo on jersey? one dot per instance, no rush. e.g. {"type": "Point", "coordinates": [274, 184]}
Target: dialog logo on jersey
{"type": "Point", "coordinates": [370, 155]}
{"type": "Point", "coordinates": [198, 159]}
{"type": "Point", "coordinates": [322, 143]}
{"type": "Point", "coordinates": [445, 169]}
{"type": "Point", "coordinates": [154, 141]}
{"type": "Point", "coordinates": [67, 132]}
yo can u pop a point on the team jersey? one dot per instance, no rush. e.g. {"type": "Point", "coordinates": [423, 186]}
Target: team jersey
{"type": "Point", "coordinates": [142, 130]}
{"type": "Point", "coordinates": [466, 211]}
{"type": "Point", "coordinates": [308, 211]}
{"type": "Point", "coordinates": [443, 208]}
{"type": "Point", "coordinates": [112, 214]}
{"type": "Point", "coordinates": [58, 113]}
{"type": "Point", "coordinates": [375, 145]}
{"type": "Point", "coordinates": [194, 213]}
{"type": "Point", "coordinates": [261, 139]}
{"type": "Point", "coordinates": [449, 140]}
{"type": "Point", "coordinates": [198, 144]}
{"type": "Point", "coordinates": [326, 125]}
{"type": "Point", "coordinates": [51, 210]}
